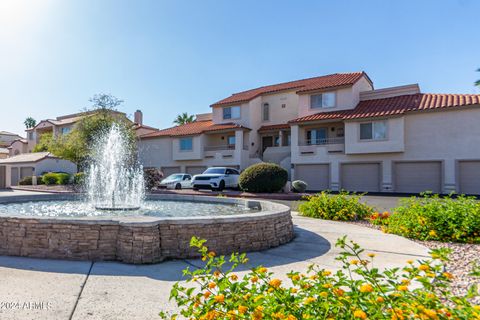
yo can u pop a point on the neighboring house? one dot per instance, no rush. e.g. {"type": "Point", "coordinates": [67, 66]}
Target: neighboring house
{"type": "Point", "coordinates": [4, 152]}
{"type": "Point", "coordinates": [64, 124]}
{"type": "Point", "coordinates": [6, 138]}
{"type": "Point", "coordinates": [334, 132]}
{"type": "Point", "coordinates": [15, 168]}
{"type": "Point", "coordinates": [17, 147]}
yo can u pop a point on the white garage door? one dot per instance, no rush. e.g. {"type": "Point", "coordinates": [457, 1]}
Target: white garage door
{"type": "Point", "coordinates": [416, 177]}
{"type": "Point", "coordinates": [360, 177]}
{"type": "Point", "coordinates": [469, 177]}
{"type": "Point", "coordinates": [317, 176]}
{"type": "Point", "coordinates": [195, 169]}
{"type": "Point", "coordinates": [170, 170]}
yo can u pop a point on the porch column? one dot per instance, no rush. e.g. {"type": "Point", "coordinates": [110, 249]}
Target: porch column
{"type": "Point", "coordinates": [294, 143]}
{"type": "Point", "coordinates": [239, 147]}
{"type": "Point", "coordinates": [280, 137]}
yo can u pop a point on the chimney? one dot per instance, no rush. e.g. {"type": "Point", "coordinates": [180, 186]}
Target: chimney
{"type": "Point", "coordinates": [138, 117]}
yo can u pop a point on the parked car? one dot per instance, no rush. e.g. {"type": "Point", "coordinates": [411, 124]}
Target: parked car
{"type": "Point", "coordinates": [177, 181]}
{"type": "Point", "coordinates": [216, 178]}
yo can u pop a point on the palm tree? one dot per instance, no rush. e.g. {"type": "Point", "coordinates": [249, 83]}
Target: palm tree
{"type": "Point", "coordinates": [477, 83]}
{"type": "Point", "coordinates": [30, 122]}
{"type": "Point", "coordinates": [183, 119]}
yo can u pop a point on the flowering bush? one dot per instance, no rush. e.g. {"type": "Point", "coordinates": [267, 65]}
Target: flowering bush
{"type": "Point", "coordinates": [343, 207]}
{"type": "Point", "coordinates": [379, 218]}
{"type": "Point", "coordinates": [418, 291]}
{"type": "Point", "coordinates": [435, 218]}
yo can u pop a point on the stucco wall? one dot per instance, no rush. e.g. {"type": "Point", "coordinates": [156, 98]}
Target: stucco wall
{"type": "Point", "coordinates": [53, 165]}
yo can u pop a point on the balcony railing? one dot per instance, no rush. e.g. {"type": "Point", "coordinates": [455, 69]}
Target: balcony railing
{"type": "Point", "coordinates": [319, 142]}
{"type": "Point", "coordinates": [222, 147]}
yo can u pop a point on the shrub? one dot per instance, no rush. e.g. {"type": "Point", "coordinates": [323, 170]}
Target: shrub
{"type": "Point", "coordinates": [63, 178]}
{"type": "Point", "coordinates": [40, 180]}
{"type": "Point", "coordinates": [299, 186]}
{"type": "Point", "coordinates": [437, 218]}
{"type": "Point", "coordinates": [50, 178]}
{"type": "Point", "coordinates": [263, 177]}
{"type": "Point", "coordinates": [343, 207]}
{"type": "Point", "coordinates": [152, 177]}
{"type": "Point", "coordinates": [79, 178]}
{"type": "Point", "coordinates": [26, 181]}
{"type": "Point", "coordinates": [420, 290]}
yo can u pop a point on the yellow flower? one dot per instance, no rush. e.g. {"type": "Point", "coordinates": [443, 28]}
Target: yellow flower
{"type": "Point", "coordinates": [309, 300]}
{"type": "Point", "coordinates": [254, 279]}
{"type": "Point", "coordinates": [220, 298]}
{"type": "Point", "coordinates": [233, 277]}
{"type": "Point", "coordinates": [366, 288]}
{"type": "Point", "coordinates": [212, 285]}
{"type": "Point", "coordinates": [326, 273]}
{"type": "Point", "coordinates": [204, 258]}
{"type": "Point", "coordinates": [432, 314]}
{"type": "Point", "coordinates": [380, 299]}
{"type": "Point", "coordinates": [432, 233]}
{"type": "Point", "coordinates": [355, 262]}
{"type": "Point", "coordinates": [402, 288]}
{"type": "Point", "coordinates": [448, 275]}
{"type": "Point", "coordinates": [293, 290]}
{"type": "Point", "coordinates": [295, 277]}
{"type": "Point", "coordinates": [327, 285]}
{"type": "Point", "coordinates": [242, 309]}
{"type": "Point", "coordinates": [339, 292]}
{"type": "Point", "coordinates": [211, 254]}
{"type": "Point", "coordinates": [216, 273]}
{"type": "Point", "coordinates": [371, 255]}
{"type": "Point", "coordinates": [410, 261]}
{"type": "Point", "coordinates": [262, 270]}
{"type": "Point", "coordinates": [430, 275]}
{"type": "Point", "coordinates": [275, 283]}
{"type": "Point", "coordinates": [423, 267]}
{"type": "Point", "coordinates": [360, 314]}
{"type": "Point", "coordinates": [313, 277]}
{"type": "Point", "coordinates": [323, 294]}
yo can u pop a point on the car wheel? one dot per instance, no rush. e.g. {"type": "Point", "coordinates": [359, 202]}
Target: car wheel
{"type": "Point", "coordinates": [221, 186]}
{"type": "Point", "coordinates": [178, 186]}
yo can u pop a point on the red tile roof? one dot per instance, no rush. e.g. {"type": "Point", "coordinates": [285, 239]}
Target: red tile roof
{"type": "Point", "coordinates": [192, 128]}
{"type": "Point", "coordinates": [323, 82]}
{"type": "Point", "coordinates": [397, 106]}
{"type": "Point", "coordinates": [274, 127]}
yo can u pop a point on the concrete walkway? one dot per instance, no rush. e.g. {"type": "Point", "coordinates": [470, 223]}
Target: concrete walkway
{"type": "Point", "coordinates": [53, 289]}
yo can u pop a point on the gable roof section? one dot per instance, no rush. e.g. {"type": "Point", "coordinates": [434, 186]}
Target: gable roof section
{"type": "Point", "coordinates": [274, 127]}
{"type": "Point", "coordinates": [397, 106]}
{"type": "Point", "coordinates": [304, 85]}
{"type": "Point", "coordinates": [27, 157]}
{"type": "Point", "coordinates": [192, 128]}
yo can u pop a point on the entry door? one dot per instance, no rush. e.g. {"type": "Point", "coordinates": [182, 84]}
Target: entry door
{"type": "Point", "coordinates": [267, 142]}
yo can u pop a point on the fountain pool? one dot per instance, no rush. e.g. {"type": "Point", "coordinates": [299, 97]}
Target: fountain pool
{"type": "Point", "coordinates": [115, 220]}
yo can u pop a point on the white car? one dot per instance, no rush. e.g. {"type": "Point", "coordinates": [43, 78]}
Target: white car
{"type": "Point", "coordinates": [177, 181]}
{"type": "Point", "coordinates": [216, 178]}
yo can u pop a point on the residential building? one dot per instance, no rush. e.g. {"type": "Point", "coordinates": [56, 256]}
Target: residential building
{"type": "Point", "coordinates": [15, 168]}
{"type": "Point", "coordinates": [6, 138]}
{"type": "Point", "coordinates": [64, 124]}
{"type": "Point", "coordinates": [334, 132]}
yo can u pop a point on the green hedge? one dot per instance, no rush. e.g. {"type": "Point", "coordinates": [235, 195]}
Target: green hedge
{"type": "Point", "coordinates": [52, 178]}
{"type": "Point", "coordinates": [79, 178]}
{"type": "Point", "coordinates": [432, 217]}
{"type": "Point", "coordinates": [263, 177]}
{"type": "Point", "coordinates": [341, 207]}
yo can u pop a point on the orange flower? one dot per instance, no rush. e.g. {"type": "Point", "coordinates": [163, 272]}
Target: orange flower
{"type": "Point", "coordinates": [242, 309]}
{"type": "Point", "coordinates": [360, 314]}
{"type": "Point", "coordinates": [254, 279]}
{"type": "Point", "coordinates": [448, 275]}
{"type": "Point", "coordinates": [423, 267]}
{"type": "Point", "coordinates": [402, 288]}
{"type": "Point", "coordinates": [212, 285]}
{"type": "Point", "coordinates": [380, 299]}
{"type": "Point", "coordinates": [216, 273]}
{"type": "Point", "coordinates": [220, 298]}
{"type": "Point", "coordinates": [366, 288]}
{"type": "Point", "coordinates": [207, 294]}
{"type": "Point", "coordinates": [262, 270]}
{"type": "Point", "coordinates": [211, 254]}
{"type": "Point", "coordinates": [275, 283]}
{"type": "Point", "coordinates": [339, 292]}
{"type": "Point", "coordinates": [233, 277]}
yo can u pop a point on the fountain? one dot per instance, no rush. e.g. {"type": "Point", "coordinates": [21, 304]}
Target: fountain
{"type": "Point", "coordinates": [114, 179]}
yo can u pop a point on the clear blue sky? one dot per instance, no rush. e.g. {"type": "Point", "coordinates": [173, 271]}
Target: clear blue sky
{"type": "Point", "coordinates": [167, 57]}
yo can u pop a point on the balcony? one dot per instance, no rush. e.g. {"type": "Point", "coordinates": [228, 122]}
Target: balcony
{"type": "Point", "coordinates": [330, 145]}
{"type": "Point", "coordinates": [225, 151]}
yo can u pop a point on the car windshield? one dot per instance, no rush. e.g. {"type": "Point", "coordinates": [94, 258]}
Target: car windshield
{"type": "Point", "coordinates": [215, 171]}
{"type": "Point", "coordinates": [174, 177]}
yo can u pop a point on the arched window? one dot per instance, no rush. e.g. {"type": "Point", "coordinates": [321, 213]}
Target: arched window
{"type": "Point", "coordinates": [266, 112]}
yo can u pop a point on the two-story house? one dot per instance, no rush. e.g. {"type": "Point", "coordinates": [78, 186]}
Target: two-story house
{"type": "Point", "coordinates": [64, 124]}
{"type": "Point", "coordinates": [334, 132]}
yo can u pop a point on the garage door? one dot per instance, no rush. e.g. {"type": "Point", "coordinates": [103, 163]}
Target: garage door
{"type": "Point", "coordinates": [195, 169]}
{"type": "Point", "coordinates": [360, 177]}
{"type": "Point", "coordinates": [416, 177]}
{"type": "Point", "coordinates": [26, 172]}
{"type": "Point", "coordinates": [3, 177]}
{"type": "Point", "coordinates": [170, 170]}
{"type": "Point", "coordinates": [317, 176]}
{"type": "Point", "coordinates": [469, 177]}
{"type": "Point", "coordinates": [14, 178]}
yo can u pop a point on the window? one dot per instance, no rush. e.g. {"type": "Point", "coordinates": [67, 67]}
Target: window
{"type": "Point", "coordinates": [231, 112]}
{"type": "Point", "coordinates": [340, 133]}
{"type": "Point", "coordinates": [30, 136]}
{"type": "Point", "coordinates": [231, 140]}
{"type": "Point", "coordinates": [65, 130]}
{"type": "Point", "coordinates": [266, 112]}
{"type": "Point", "coordinates": [317, 136]}
{"type": "Point", "coordinates": [276, 141]}
{"type": "Point", "coordinates": [373, 131]}
{"type": "Point", "coordinates": [323, 100]}
{"type": "Point", "coordinates": [186, 144]}
{"type": "Point", "coordinates": [231, 171]}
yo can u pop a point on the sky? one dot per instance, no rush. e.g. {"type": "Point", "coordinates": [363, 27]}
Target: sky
{"type": "Point", "coordinates": [168, 57]}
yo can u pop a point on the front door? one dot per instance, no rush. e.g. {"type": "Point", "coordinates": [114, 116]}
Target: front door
{"type": "Point", "coordinates": [267, 142]}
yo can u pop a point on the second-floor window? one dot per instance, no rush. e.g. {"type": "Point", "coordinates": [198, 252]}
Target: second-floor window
{"type": "Point", "coordinates": [231, 112]}
{"type": "Point", "coordinates": [65, 130]}
{"type": "Point", "coordinates": [373, 130]}
{"type": "Point", "coordinates": [30, 136]}
{"type": "Point", "coordinates": [266, 112]}
{"type": "Point", "coordinates": [322, 100]}
{"type": "Point", "coordinates": [186, 144]}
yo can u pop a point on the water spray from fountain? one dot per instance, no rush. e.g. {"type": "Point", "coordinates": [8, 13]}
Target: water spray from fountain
{"type": "Point", "coordinates": [114, 179]}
